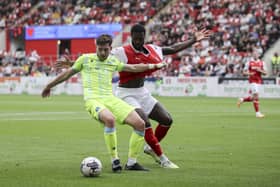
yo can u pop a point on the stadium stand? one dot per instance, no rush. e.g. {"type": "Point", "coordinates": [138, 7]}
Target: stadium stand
{"type": "Point", "coordinates": [240, 27]}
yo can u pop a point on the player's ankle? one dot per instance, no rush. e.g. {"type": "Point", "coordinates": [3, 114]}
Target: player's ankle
{"type": "Point", "coordinates": [163, 158]}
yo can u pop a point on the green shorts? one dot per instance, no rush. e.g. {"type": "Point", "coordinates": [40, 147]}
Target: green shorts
{"type": "Point", "coordinates": [118, 107]}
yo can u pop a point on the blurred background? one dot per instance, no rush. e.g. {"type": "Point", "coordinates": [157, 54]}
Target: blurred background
{"type": "Point", "coordinates": [34, 34]}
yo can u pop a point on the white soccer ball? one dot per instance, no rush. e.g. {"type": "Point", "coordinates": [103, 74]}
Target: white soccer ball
{"type": "Point", "coordinates": [91, 167]}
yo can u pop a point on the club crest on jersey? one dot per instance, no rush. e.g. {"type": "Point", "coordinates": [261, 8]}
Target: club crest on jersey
{"type": "Point", "coordinates": [97, 109]}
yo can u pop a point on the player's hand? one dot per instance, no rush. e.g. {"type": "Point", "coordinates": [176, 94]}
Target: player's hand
{"type": "Point", "coordinates": [64, 62]}
{"type": "Point", "coordinates": [161, 65]}
{"type": "Point", "coordinates": [202, 34]}
{"type": "Point", "coordinates": [46, 92]}
{"type": "Point", "coordinates": [259, 69]}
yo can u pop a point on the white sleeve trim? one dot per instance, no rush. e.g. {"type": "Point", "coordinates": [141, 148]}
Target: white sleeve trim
{"type": "Point", "coordinates": [119, 53]}
{"type": "Point", "coordinates": [158, 50]}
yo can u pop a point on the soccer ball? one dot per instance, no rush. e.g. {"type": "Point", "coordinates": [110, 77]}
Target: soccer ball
{"type": "Point", "coordinates": [91, 167]}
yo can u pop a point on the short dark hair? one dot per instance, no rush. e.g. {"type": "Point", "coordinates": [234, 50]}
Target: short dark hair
{"type": "Point", "coordinates": [138, 28]}
{"type": "Point", "coordinates": [104, 39]}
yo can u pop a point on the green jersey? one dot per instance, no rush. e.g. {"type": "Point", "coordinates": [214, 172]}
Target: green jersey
{"type": "Point", "coordinates": [97, 75]}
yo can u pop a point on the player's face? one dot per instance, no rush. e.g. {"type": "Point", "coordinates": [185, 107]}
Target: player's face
{"type": "Point", "coordinates": [103, 51]}
{"type": "Point", "coordinates": [138, 39]}
{"type": "Point", "coordinates": [255, 56]}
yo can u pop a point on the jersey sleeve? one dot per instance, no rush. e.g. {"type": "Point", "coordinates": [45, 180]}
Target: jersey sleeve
{"type": "Point", "coordinates": [158, 50]}
{"type": "Point", "coordinates": [119, 65]}
{"type": "Point", "coordinates": [78, 65]}
{"type": "Point", "coordinates": [119, 53]}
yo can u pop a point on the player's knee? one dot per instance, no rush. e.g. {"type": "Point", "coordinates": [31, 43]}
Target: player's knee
{"type": "Point", "coordinates": [255, 96]}
{"type": "Point", "coordinates": [143, 116]}
{"type": "Point", "coordinates": [168, 120]}
{"type": "Point", "coordinates": [139, 125]}
{"type": "Point", "coordinates": [147, 123]}
{"type": "Point", "coordinates": [110, 121]}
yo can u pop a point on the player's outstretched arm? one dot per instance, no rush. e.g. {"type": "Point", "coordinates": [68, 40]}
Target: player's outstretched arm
{"type": "Point", "coordinates": [142, 67]}
{"type": "Point", "coordinates": [59, 79]}
{"type": "Point", "coordinates": [198, 36]}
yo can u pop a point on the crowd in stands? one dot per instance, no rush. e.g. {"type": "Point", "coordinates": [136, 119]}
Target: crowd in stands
{"type": "Point", "coordinates": [16, 14]}
{"type": "Point", "coordinates": [53, 12]}
{"type": "Point", "coordinates": [240, 28]}
{"type": "Point", "coordinates": [30, 64]}
{"type": "Point", "coordinates": [13, 12]}
{"type": "Point", "coordinates": [21, 64]}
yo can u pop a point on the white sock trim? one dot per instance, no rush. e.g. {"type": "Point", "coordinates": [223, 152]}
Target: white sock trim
{"type": "Point", "coordinates": [131, 161]}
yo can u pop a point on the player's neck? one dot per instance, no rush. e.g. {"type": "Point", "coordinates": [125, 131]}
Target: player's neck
{"type": "Point", "coordinates": [142, 49]}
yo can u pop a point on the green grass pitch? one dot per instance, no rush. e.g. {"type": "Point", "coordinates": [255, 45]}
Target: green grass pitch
{"type": "Point", "coordinates": [43, 141]}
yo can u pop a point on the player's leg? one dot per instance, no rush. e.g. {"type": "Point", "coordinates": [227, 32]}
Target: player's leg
{"type": "Point", "coordinates": [255, 91]}
{"type": "Point", "coordinates": [154, 110]}
{"type": "Point", "coordinates": [136, 141]}
{"type": "Point", "coordinates": [102, 114]}
{"type": "Point", "coordinates": [249, 98]}
{"type": "Point", "coordinates": [164, 119]}
{"type": "Point", "coordinates": [278, 70]}
{"type": "Point", "coordinates": [125, 114]}
{"type": "Point", "coordinates": [160, 114]}
{"type": "Point", "coordinates": [147, 103]}
{"type": "Point", "coordinates": [274, 69]}
{"type": "Point", "coordinates": [150, 138]}
{"type": "Point", "coordinates": [141, 98]}
{"type": "Point", "coordinates": [110, 137]}
{"type": "Point", "coordinates": [153, 148]}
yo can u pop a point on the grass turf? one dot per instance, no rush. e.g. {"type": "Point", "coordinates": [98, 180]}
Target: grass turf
{"type": "Point", "coordinates": [42, 142]}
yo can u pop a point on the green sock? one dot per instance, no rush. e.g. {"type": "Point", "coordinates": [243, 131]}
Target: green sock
{"type": "Point", "coordinates": [136, 143]}
{"type": "Point", "coordinates": [111, 143]}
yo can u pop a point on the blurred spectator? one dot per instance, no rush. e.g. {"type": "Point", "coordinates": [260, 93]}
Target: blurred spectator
{"type": "Point", "coordinates": [275, 62]}
{"type": "Point", "coordinates": [20, 57]}
{"type": "Point", "coordinates": [1, 57]}
{"type": "Point", "coordinates": [185, 68]}
{"type": "Point", "coordinates": [34, 57]}
{"type": "Point", "coordinates": [7, 69]}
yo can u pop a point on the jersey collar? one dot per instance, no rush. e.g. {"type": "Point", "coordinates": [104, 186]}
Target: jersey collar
{"type": "Point", "coordinates": [137, 51]}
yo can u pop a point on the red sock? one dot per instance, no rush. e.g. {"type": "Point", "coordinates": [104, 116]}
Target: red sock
{"type": "Point", "coordinates": [256, 105]}
{"type": "Point", "coordinates": [152, 141]}
{"type": "Point", "coordinates": [161, 131]}
{"type": "Point", "coordinates": [248, 99]}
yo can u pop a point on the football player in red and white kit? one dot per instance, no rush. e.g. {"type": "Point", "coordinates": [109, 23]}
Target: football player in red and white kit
{"type": "Point", "coordinates": [131, 86]}
{"type": "Point", "coordinates": [255, 68]}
